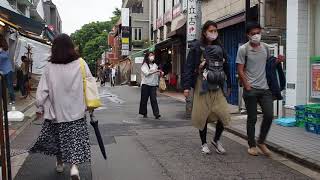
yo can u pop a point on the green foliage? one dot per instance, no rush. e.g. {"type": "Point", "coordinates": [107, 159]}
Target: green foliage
{"type": "Point", "coordinates": [91, 39]}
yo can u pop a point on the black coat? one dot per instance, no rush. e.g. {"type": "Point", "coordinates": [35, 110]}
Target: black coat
{"type": "Point", "coordinates": [192, 64]}
{"type": "Point", "coordinates": [275, 77]}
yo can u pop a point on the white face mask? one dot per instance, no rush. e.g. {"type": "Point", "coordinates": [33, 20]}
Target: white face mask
{"type": "Point", "coordinates": [212, 36]}
{"type": "Point", "coordinates": [1, 49]}
{"type": "Point", "coordinates": [151, 58]}
{"type": "Point", "coordinates": [255, 39]}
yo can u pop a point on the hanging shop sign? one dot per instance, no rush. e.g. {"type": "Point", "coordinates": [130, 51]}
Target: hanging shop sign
{"type": "Point", "coordinates": [191, 22]}
{"type": "Point", "coordinates": [125, 31]}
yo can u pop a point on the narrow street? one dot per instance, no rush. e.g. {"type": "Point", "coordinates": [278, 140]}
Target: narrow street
{"type": "Point", "coordinates": [165, 149]}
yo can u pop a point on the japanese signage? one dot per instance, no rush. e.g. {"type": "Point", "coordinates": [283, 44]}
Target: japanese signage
{"type": "Point", "coordinates": [168, 16]}
{"type": "Point", "coordinates": [177, 10]}
{"type": "Point", "coordinates": [192, 23]}
{"type": "Point", "coordinates": [315, 77]}
{"type": "Point", "coordinates": [125, 31]}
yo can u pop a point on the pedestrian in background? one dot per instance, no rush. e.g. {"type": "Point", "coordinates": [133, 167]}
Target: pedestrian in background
{"type": "Point", "coordinates": [6, 68]}
{"type": "Point", "coordinates": [251, 61]}
{"type": "Point", "coordinates": [22, 75]}
{"type": "Point", "coordinates": [209, 101]}
{"type": "Point", "coordinates": [149, 83]}
{"type": "Point", "coordinates": [60, 100]}
{"type": "Point", "coordinates": [113, 75]}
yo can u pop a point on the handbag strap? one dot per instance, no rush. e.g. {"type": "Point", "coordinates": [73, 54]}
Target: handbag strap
{"type": "Point", "coordinates": [83, 74]}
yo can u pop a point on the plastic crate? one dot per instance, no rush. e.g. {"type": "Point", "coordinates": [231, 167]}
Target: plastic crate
{"type": "Point", "coordinates": [312, 120]}
{"type": "Point", "coordinates": [314, 108]}
{"type": "Point", "coordinates": [312, 127]}
{"type": "Point", "coordinates": [300, 124]}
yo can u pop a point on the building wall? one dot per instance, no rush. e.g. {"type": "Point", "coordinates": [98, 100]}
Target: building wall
{"type": "Point", "coordinates": [215, 9]}
{"type": "Point", "coordinates": [298, 52]}
{"type": "Point", "coordinates": [142, 20]}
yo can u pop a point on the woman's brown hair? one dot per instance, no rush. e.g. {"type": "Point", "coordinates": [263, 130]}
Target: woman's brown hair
{"type": "Point", "coordinates": [63, 50]}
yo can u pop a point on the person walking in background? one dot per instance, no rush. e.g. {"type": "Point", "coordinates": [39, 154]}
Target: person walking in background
{"type": "Point", "coordinates": [113, 75]}
{"type": "Point", "coordinates": [6, 67]}
{"type": "Point", "coordinates": [149, 83]}
{"type": "Point", "coordinates": [22, 75]}
{"type": "Point", "coordinates": [251, 63]}
{"type": "Point", "coordinates": [206, 70]}
{"type": "Point", "coordinates": [59, 100]}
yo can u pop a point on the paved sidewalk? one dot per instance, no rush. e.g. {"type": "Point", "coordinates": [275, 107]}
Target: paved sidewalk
{"type": "Point", "coordinates": [292, 142]}
{"type": "Point", "coordinates": [27, 107]}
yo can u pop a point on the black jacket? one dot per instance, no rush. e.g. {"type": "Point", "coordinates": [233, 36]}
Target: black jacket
{"type": "Point", "coordinates": [275, 78]}
{"type": "Point", "coordinates": [192, 64]}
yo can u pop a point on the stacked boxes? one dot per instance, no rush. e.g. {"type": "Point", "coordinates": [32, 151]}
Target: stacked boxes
{"type": "Point", "coordinates": [312, 118]}
{"type": "Point", "coordinates": [300, 115]}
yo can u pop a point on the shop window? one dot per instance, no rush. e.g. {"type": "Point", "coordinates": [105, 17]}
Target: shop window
{"type": "Point", "coordinates": [168, 28]}
{"type": "Point", "coordinates": [137, 7]}
{"type": "Point", "coordinates": [137, 34]}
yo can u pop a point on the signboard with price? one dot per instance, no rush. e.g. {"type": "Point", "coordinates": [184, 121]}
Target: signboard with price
{"type": "Point", "coordinates": [192, 17]}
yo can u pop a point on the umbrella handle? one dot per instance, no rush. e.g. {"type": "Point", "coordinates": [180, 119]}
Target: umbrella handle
{"type": "Point", "coordinates": [92, 119]}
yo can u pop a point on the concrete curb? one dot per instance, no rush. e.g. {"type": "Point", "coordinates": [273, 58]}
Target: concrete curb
{"type": "Point", "coordinates": [304, 161]}
{"type": "Point", "coordinates": [307, 162]}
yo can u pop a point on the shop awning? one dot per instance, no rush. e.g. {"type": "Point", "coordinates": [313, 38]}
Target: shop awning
{"type": "Point", "coordinates": [231, 20]}
{"type": "Point", "coordinates": [16, 20]}
{"type": "Point", "coordinates": [141, 53]}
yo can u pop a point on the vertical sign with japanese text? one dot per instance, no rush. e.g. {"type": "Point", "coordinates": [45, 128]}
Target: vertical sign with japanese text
{"type": "Point", "coordinates": [125, 31]}
{"type": "Point", "coordinates": [192, 20]}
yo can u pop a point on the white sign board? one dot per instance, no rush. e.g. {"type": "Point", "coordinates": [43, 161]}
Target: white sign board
{"type": "Point", "coordinates": [138, 60]}
{"type": "Point", "coordinates": [192, 20]}
{"type": "Point", "coordinates": [125, 14]}
{"type": "Point", "coordinates": [125, 52]}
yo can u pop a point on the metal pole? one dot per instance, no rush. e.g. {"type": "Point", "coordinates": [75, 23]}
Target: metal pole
{"type": "Point", "coordinates": [6, 124]}
{"type": "Point", "coordinates": [2, 137]}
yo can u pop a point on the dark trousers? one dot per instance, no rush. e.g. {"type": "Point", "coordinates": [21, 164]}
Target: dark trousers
{"type": "Point", "coordinates": [9, 81]}
{"type": "Point", "coordinates": [264, 98]}
{"type": "Point", "coordinates": [146, 92]}
{"type": "Point", "coordinates": [219, 130]}
{"type": "Point", "coordinates": [21, 81]}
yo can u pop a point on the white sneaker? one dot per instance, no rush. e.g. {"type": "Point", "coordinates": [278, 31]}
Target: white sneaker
{"type": "Point", "coordinates": [59, 168]}
{"type": "Point", "coordinates": [205, 149]}
{"type": "Point", "coordinates": [74, 173]}
{"type": "Point", "coordinates": [219, 147]}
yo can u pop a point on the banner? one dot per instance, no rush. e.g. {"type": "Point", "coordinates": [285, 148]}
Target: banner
{"type": "Point", "coordinates": [40, 53]}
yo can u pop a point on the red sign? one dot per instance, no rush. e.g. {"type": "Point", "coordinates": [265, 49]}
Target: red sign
{"type": "Point", "coordinates": [177, 10]}
{"type": "Point", "coordinates": [168, 16]}
{"type": "Point", "coordinates": [159, 22]}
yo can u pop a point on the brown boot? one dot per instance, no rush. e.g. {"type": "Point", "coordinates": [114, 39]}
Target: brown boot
{"type": "Point", "coordinates": [253, 151]}
{"type": "Point", "coordinates": [264, 149]}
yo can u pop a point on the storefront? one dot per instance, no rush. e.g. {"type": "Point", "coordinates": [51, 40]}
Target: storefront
{"type": "Point", "coordinates": [303, 50]}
